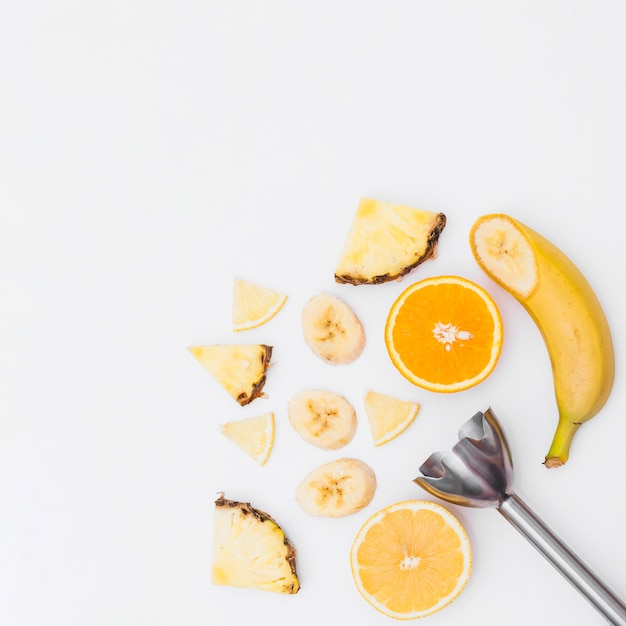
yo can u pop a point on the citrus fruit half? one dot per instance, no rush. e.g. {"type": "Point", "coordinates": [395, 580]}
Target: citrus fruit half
{"type": "Point", "coordinates": [411, 559]}
{"type": "Point", "coordinates": [444, 333]}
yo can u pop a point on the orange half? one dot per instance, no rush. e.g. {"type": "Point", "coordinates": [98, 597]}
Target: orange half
{"type": "Point", "coordinates": [444, 334]}
{"type": "Point", "coordinates": [411, 559]}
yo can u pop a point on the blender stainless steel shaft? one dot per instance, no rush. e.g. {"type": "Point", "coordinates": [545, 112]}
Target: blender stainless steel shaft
{"type": "Point", "coordinates": [478, 472]}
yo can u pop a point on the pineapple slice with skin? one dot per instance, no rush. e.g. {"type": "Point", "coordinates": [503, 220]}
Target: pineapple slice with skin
{"type": "Point", "coordinates": [388, 416]}
{"type": "Point", "coordinates": [239, 368]}
{"type": "Point", "coordinates": [251, 550]}
{"type": "Point", "coordinates": [254, 435]}
{"type": "Point", "coordinates": [386, 241]}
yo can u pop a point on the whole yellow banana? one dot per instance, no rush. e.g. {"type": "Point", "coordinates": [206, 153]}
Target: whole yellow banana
{"type": "Point", "coordinates": [567, 312]}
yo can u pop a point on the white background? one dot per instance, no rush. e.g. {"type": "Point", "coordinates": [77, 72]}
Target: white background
{"type": "Point", "coordinates": [152, 151]}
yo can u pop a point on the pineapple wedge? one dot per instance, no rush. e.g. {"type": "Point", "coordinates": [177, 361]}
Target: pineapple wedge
{"type": "Point", "coordinates": [386, 241]}
{"type": "Point", "coordinates": [251, 550]}
{"type": "Point", "coordinates": [239, 368]}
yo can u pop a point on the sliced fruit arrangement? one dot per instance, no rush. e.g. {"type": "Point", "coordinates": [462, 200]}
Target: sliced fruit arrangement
{"type": "Point", "coordinates": [251, 550]}
{"type": "Point", "coordinates": [239, 368]}
{"type": "Point", "coordinates": [411, 559]}
{"type": "Point", "coordinates": [332, 330]}
{"type": "Point", "coordinates": [388, 416]}
{"type": "Point", "coordinates": [444, 334]}
{"type": "Point", "coordinates": [386, 241]}
{"type": "Point", "coordinates": [254, 435]}
{"type": "Point", "coordinates": [337, 488]}
{"type": "Point", "coordinates": [322, 418]}
{"type": "Point", "coordinates": [567, 312]}
{"type": "Point", "coordinates": [254, 305]}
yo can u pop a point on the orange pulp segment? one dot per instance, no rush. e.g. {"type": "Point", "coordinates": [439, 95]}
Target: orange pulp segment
{"type": "Point", "coordinates": [388, 417]}
{"type": "Point", "coordinates": [254, 305]}
{"type": "Point", "coordinates": [411, 559]}
{"type": "Point", "coordinates": [254, 435]}
{"type": "Point", "coordinates": [444, 334]}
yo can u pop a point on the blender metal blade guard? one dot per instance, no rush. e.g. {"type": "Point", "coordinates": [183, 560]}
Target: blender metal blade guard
{"type": "Point", "coordinates": [478, 472]}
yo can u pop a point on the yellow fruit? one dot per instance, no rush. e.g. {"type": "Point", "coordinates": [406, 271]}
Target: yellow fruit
{"type": "Point", "coordinates": [332, 330]}
{"type": "Point", "coordinates": [251, 550]}
{"type": "Point", "coordinates": [239, 368]}
{"type": "Point", "coordinates": [567, 312]}
{"type": "Point", "coordinates": [444, 334]}
{"type": "Point", "coordinates": [411, 559]}
{"type": "Point", "coordinates": [322, 418]}
{"type": "Point", "coordinates": [254, 305]}
{"type": "Point", "coordinates": [388, 417]}
{"type": "Point", "coordinates": [337, 488]}
{"type": "Point", "coordinates": [254, 435]}
{"type": "Point", "coordinates": [386, 241]}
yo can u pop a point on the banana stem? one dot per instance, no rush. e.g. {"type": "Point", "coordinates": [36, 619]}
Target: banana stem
{"type": "Point", "coordinates": [559, 450]}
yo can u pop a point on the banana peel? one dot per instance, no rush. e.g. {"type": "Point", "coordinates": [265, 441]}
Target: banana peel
{"type": "Point", "coordinates": [567, 312]}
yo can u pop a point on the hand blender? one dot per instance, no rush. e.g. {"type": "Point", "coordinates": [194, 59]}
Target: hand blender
{"type": "Point", "coordinates": [478, 472]}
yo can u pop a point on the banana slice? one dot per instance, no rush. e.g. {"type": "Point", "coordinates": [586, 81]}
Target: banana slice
{"type": "Point", "coordinates": [322, 418]}
{"type": "Point", "coordinates": [332, 330]}
{"type": "Point", "coordinates": [337, 488]}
